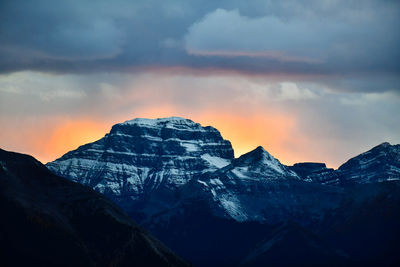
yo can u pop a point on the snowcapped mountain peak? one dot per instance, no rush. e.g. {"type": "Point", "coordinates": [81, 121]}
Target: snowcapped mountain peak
{"type": "Point", "coordinates": [262, 162]}
{"type": "Point", "coordinates": [383, 149]}
{"type": "Point", "coordinates": [168, 122]}
{"type": "Point", "coordinates": [142, 156]}
{"type": "Point", "coordinates": [146, 165]}
{"type": "Point", "coordinates": [157, 120]}
{"type": "Point", "coordinates": [381, 163]}
{"type": "Point", "coordinates": [257, 155]}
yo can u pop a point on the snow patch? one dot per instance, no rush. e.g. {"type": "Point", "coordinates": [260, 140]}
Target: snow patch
{"type": "Point", "coordinates": [216, 182]}
{"type": "Point", "coordinates": [239, 174]}
{"type": "Point", "coordinates": [215, 161]}
{"type": "Point", "coordinates": [176, 123]}
{"type": "Point", "coordinates": [274, 164]}
{"type": "Point", "coordinates": [232, 206]}
{"type": "Point", "coordinates": [203, 183]}
{"type": "Point", "coordinates": [190, 147]}
{"type": "Point", "coordinates": [213, 193]}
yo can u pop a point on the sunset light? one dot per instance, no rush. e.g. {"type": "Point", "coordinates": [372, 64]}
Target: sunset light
{"type": "Point", "coordinates": [199, 133]}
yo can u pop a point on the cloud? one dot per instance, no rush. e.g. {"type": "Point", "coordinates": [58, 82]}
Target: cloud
{"type": "Point", "coordinates": [228, 33]}
{"type": "Point", "coordinates": [295, 120]}
{"type": "Point", "coordinates": [312, 79]}
{"type": "Point", "coordinates": [42, 30]}
{"type": "Point", "coordinates": [307, 38]}
{"type": "Point", "coordinates": [334, 40]}
{"type": "Point", "coordinates": [28, 84]}
{"type": "Point", "coordinates": [290, 91]}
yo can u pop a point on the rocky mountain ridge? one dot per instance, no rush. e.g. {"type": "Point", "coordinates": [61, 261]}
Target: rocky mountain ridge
{"type": "Point", "coordinates": [180, 181]}
{"type": "Point", "coordinates": [381, 163]}
{"type": "Point", "coordinates": [257, 187]}
{"type": "Point", "coordinates": [142, 162]}
{"type": "Point", "coordinates": [150, 165]}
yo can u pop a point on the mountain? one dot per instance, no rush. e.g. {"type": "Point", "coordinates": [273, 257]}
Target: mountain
{"type": "Point", "coordinates": [50, 221]}
{"type": "Point", "coordinates": [148, 166]}
{"type": "Point", "coordinates": [257, 187]}
{"type": "Point", "coordinates": [381, 163]}
{"type": "Point", "coordinates": [316, 172]}
{"type": "Point", "coordinates": [180, 181]}
{"type": "Point", "coordinates": [224, 213]}
{"type": "Point", "coordinates": [141, 162]}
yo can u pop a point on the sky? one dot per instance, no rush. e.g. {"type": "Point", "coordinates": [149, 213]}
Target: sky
{"type": "Point", "coordinates": [314, 80]}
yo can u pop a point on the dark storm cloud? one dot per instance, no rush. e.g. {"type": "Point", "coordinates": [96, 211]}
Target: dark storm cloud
{"type": "Point", "coordinates": [309, 38]}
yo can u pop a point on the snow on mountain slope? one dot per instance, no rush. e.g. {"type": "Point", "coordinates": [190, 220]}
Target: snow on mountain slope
{"type": "Point", "coordinates": [149, 165]}
{"type": "Point", "coordinates": [257, 187]}
{"type": "Point", "coordinates": [141, 156]}
{"type": "Point", "coordinates": [261, 164]}
{"type": "Point", "coordinates": [381, 163]}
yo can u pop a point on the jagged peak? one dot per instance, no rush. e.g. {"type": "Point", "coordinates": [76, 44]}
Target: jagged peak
{"type": "Point", "coordinates": [159, 121]}
{"type": "Point", "coordinates": [383, 145]}
{"type": "Point", "coordinates": [259, 154]}
{"type": "Point", "coordinates": [260, 149]}
{"type": "Point", "coordinates": [382, 149]}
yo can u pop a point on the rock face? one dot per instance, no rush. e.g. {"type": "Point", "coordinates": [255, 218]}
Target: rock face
{"type": "Point", "coordinates": [316, 172]}
{"type": "Point", "coordinates": [147, 166]}
{"type": "Point", "coordinates": [381, 163]}
{"type": "Point", "coordinates": [50, 221]}
{"type": "Point", "coordinates": [144, 161]}
{"type": "Point", "coordinates": [181, 181]}
{"type": "Point", "coordinates": [257, 187]}
{"type": "Point", "coordinates": [304, 169]}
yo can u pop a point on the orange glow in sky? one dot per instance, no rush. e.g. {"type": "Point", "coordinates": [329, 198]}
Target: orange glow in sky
{"type": "Point", "coordinates": [241, 117]}
{"type": "Point", "coordinates": [49, 140]}
{"type": "Point", "coordinates": [72, 134]}
{"type": "Point", "coordinates": [61, 136]}
{"type": "Point", "coordinates": [246, 133]}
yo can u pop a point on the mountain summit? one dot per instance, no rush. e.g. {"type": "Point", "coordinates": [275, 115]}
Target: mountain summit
{"type": "Point", "coordinates": [257, 187]}
{"type": "Point", "coordinates": [181, 181]}
{"type": "Point", "coordinates": [381, 163]}
{"type": "Point", "coordinates": [144, 166]}
{"type": "Point", "coordinates": [144, 161]}
{"type": "Point", "coordinates": [148, 166]}
{"type": "Point", "coordinates": [262, 162]}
